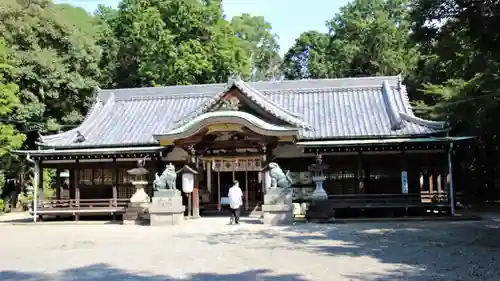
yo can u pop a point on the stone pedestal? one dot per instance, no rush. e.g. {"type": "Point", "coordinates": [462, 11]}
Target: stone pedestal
{"type": "Point", "coordinates": [320, 210]}
{"type": "Point", "coordinates": [135, 214]}
{"type": "Point", "coordinates": [278, 207]}
{"type": "Point", "coordinates": [166, 208]}
{"type": "Point", "coordinates": [137, 209]}
{"type": "Point", "coordinates": [319, 193]}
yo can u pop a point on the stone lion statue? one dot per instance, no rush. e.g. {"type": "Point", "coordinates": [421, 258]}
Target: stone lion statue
{"type": "Point", "coordinates": [166, 180]}
{"type": "Point", "coordinates": [278, 178]}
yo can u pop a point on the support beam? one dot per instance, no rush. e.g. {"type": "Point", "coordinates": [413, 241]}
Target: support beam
{"type": "Point", "coordinates": [76, 182]}
{"type": "Point", "coordinates": [35, 190]}
{"type": "Point", "coordinates": [196, 196]}
{"type": "Point", "coordinates": [450, 189]}
{"type": "Point", "coordinates": [218, 191]}
{"type": "Point", "coordinates": [246, 189]}
{"type": "Point", "coordinates": [361, 174]}
{"type": "Point", "coordinates": [209, 176]}
{"type": "Point", "coordinates": [59, 186]}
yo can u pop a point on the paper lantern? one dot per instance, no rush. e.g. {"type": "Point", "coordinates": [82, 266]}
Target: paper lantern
{"type": "Point", "coordinates": [187, 182]}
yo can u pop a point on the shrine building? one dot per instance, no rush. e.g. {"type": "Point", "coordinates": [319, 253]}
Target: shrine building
{"type": "Point", "coordinates": [379, 152]}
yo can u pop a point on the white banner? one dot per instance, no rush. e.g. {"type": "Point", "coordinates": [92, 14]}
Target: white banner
{"type": "Point", "coordinates": [404, 182]}
{"type": "Point", "coordinates": [187, 182]}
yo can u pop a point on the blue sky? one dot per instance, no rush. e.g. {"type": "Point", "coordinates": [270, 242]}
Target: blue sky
{"type": "Point", "coordinates": [289, 18]}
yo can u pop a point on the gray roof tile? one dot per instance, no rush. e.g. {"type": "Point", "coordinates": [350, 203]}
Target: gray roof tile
{"type": "Point", "coordinates": [334, 109]}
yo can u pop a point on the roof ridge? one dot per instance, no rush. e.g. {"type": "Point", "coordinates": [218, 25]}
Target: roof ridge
{"type": "Point", "coordinates": [385, 77]}
{"type": "Point", "coordinates": [276, 91]}
{"type": "Point", "coordinates": [164, 97]}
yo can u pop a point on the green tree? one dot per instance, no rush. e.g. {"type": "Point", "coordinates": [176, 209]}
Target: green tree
{"type": "Point", "coordinates": [176, 42]}
{"type": "Point", "coordinates": [371, 37]}
{"type": "Point", "coordinates": [366, 38]}
{"type": "Point", "coordinates": [460, 67]}
{"type": "Point", "coordinates": [56, 59]}
{"type": "Point", "coordinates": [308, 57]}
{"type": "Point", "coordinates": [459, 71]}
{"type": "Point", "coordinates": [10, 138]}
{"type": "Point", "coordinates": [261, 43]}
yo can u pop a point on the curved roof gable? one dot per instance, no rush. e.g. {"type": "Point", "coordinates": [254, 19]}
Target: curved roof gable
{"type": "Point", "coordinates": [254, 96]}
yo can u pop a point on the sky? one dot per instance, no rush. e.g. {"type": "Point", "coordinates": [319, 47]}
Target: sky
{"type": "Point", "coordinates": [289, 18]}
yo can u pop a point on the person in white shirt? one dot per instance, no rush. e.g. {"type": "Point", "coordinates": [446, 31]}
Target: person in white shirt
{"type": "Point", "coordinates": [235, 202]}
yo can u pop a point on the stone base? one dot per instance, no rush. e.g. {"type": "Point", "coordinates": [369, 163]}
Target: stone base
{"type": "Point", "coordinates": [167, 193]}
{"type": "Point", "coordinates": [321, 211]}
{"type": "Point", "coordinates": [166, 208]}
{"type": "Point", "coordinates": [166, 219]}
{"type": "Point", "coordinates": [278, 207]}
{"type": "Point", "coordinates": [135, 214]}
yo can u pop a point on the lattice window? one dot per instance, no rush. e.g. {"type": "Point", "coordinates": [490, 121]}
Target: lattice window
{"type": "Point", "coordinates": [125, 191]}
{"type": "Point", "coordinates": [97, 176]}
{"type": "Point", "coordinates": [124, 177]}
{"type": "Point", "coordinates": [108, 176]}
{"type": "Point", "coordinates": [85, 176]}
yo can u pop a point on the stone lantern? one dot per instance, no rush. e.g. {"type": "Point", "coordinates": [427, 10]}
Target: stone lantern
{"type": "Point", "coordinates": [318, 177]}
{"type": "Point", "coordinates": [320, 210]}
{"type": "Point", "coordinates": [139, 202]}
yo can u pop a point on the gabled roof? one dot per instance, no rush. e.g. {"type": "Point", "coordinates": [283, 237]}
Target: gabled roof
{"type": "Point", "coordinates": [256, 97]}
{"type": "Point", "coordinates": [348, 108]}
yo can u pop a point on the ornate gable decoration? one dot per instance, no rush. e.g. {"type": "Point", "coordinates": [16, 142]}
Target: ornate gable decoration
{"type": "Point", "coordinates": [228, 102]}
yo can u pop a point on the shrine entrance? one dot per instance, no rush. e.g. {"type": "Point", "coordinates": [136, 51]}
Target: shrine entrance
{"type": "Point", "coordinates": [221, 174]}
{"type": "Point", "coordinates": [230, 137]}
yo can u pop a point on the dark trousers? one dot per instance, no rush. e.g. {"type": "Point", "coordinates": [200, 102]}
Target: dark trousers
{"type": "Point", "coordinates": [235, 215]}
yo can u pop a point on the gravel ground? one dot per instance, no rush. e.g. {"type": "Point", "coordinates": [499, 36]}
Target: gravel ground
{"type": "Point", "coordinates": [209, 249]}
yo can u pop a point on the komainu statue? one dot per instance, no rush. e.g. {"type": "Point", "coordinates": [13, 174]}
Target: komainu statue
{"type": "Point", "coordinates": [278, 178]}
{"type": "Point", "coordinates": [166, 180]}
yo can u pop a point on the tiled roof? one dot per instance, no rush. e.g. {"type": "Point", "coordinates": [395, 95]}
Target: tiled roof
{"type": "Point", "coordinates": [373, 107]}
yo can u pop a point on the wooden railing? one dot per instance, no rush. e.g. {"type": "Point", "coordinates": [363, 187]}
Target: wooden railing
{"type": "Point", "coordinates": [398, 200]}
{"type": "Point", "coordinates": [81, 206]}
{"type": "Point", "coordinates": [84, 203]}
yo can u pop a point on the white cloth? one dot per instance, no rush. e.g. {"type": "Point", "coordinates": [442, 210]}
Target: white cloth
{"type": "Point", "coordinates": [235, 197]}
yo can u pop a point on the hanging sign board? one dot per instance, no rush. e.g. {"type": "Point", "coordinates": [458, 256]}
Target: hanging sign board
{"type": "Point", "coordinates": [187, 182]}
{"type": "Point", "coordinates": [404, 182]}
{"type": "Point", "coordinates": [224, 201]}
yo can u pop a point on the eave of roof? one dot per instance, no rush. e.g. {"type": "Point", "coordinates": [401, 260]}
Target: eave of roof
{"type": "Point", "coordinates": [223, 116]}
{"type": "Point", "coordinates": [355, 142]}
{"type": "Point", "coordinates": [90, 151]}
{"type": "Point", "coordinates": [346, 108]}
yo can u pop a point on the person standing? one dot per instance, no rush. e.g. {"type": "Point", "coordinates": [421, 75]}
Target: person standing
{"type": "Point", "coordinates": [235, 202]}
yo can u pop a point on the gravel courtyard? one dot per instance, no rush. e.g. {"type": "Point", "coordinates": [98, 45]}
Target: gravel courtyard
{"type": "Point", "coordinates": [209, 249]}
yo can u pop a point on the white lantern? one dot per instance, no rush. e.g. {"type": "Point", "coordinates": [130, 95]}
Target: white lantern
{"type": "Point", "coordinates": [187, 182]}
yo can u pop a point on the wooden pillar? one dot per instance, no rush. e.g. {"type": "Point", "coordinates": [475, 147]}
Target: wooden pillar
{"type": "Point", "coordinates": [115, 188]}
{"type": "Point", "coordinates": [77, 188]}
{"type": "Point", "coordinates": [431, 182]}
{"type": "Point", "coordinates": [59, 185]}
{"type": "Point", "coordinates": [196, 196]}
{"type": "Point", "coordinates": [439, 183]}
{"type": "Point", "coordinates": [115, 183]}
{"type": "Point", "coordinates": [209, 177]}
{"type": "Point", "coordinates": [246, 189]}
{"type": "Point", "coordinates": [40, 184]}
{"type": "Point", "coordinates": [218, 190]}
{"type": "Point", "coordinates": [450, 177]}
{"type": "Point", "coordinates": [196, 192]}
{"type": "Point", "coordinates": [36, 175]}
{"type": "Point", "coordinates": [361, 174]}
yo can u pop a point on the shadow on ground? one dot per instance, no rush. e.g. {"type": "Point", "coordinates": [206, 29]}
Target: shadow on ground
{"type": "Point", "coordinates": [421, 250]}
{"type": "Point", "coordinates": [104, 272]}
